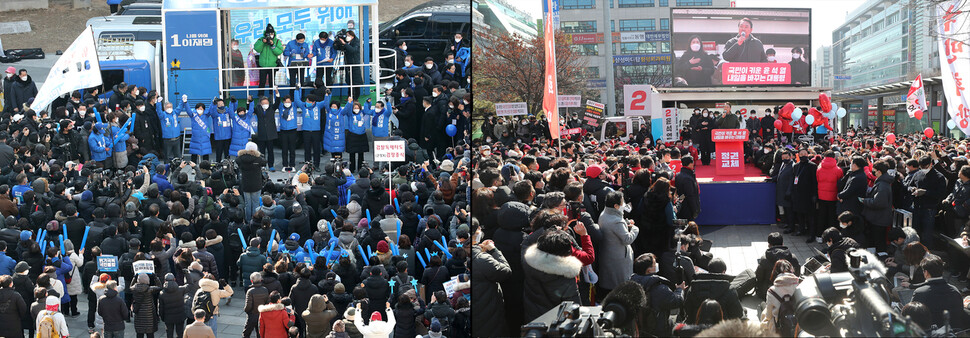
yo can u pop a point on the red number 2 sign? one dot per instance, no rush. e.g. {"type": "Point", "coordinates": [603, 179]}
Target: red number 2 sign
{"type": "Point", "coordinates": [639, 100]}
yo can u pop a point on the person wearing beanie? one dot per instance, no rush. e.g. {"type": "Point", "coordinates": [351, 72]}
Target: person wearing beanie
{"type": "Point", "coordinates": [376, 328]}
{"type": "Point", "coordinates": [51, 310]}
{"type": "Point", "coordinates": [171, 306]}
{"type": "Point", "coordinates": [339, 330]}
{"type": "Point", "coordinates": [389, 223]}
{"type": "Point", "coordinates": [144, 305]}
{"type": "Point", "coordinates": [75, 285]}
{"type": "Point", "coordinates": [339, 297]}
{"type": "Point", "coordinates": [250, 162]}
{"type": "Point", "coordinates": [435, 330]}
{"type": "Point", "coordinates": [350, 315]}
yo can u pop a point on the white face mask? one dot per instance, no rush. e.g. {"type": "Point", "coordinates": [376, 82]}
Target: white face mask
{"type": "Point", "coordinates": [434, 94]}
{"type": "Point", "coordinates": [135, 93]}
{"type": "Point", "coordinates": [404, 48]}
{"type": "Point", "coordinates": [626, 208]}
{"type": "Point", "coordinates": [465, 101]}
{"type": "Point", "coordinates": [199, 111]}
{"type": "Point", "coordinates": [356, 111]}
{"type": "Point", "coordinates": [451, 106]}
{"type": "Point", "coordinates": [695, 47]}
{"type": "Point", "coordinates": [771, 58]}
{"type": "Point", "coordinates": [843, 225]}
{"type": "Point", "coordinates": [265, 106]}
{"type": "Point", "coordinates": [9, 75]}
{"type": "Point", "coordinates": [428, 66]}
{"type": "Point", "coordinates": [81, 112]}
{"type": "Point", "coordinates": [796, 56]}
{"type": "Point", "coordinates": [488, 140]}
{"type": "Point", "coordinates": [705, 114]}
{"type": "Point", "coordinates": [478, 237]}
{"type": "Point", "coordinates": [169, 110]}
{"type": "Point", "coordinates": [407, 64]}
{"type": "Point", "coordinates": [142, 108]}
{"type": "Point", "coordinates": [235, 47]}
{"type": "Point", "coordinates": [285, 104]}
{"type": "Point", "coordinates": [451, 61]}
{"type": "Point", "coordinates": [23, 78]}
{"type": "Point", "coordinates": [457, 40]}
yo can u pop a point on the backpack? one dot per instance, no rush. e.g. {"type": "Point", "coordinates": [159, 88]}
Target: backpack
{"type": "Point", "coordinates": [126, 266]}
{"type": "Point", "coordinates": [203, 300]}
{"type": "Point", "coordinates": [785, 322]}
{"type": "Point", "coordinates": [650, 324]}
{"type": "Point", "coordinates": [46, 328]}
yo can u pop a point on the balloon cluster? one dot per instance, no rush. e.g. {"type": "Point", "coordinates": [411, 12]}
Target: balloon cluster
{"type": "Point", "coordinates": [819, 120]}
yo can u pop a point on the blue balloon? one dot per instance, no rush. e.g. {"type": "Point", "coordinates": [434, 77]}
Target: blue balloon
{"type": "Point", "coordinates": [796, 114]}
{"type": "Point", "coordinates": [841, 112]}
{"type": "Point", "coordinates": [821, 130]}
{"type": "Point", "coordinates": [451, 130]}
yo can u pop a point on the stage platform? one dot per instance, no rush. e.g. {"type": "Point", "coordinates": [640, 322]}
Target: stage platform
{"type": "Point", "coordinates": [735, 200]}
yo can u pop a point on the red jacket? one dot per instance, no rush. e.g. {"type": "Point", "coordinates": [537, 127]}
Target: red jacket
{"type": "Point", "coordinates": [828, 175]}
{"type": "Point", "coordinates": [273, 321]}
{"type": "Point", "coordinates": [586, 255]}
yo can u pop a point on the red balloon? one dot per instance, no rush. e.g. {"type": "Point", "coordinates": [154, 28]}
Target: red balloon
{"type": "Point", "coordinates": [918, 114]}
{"type": "Point", "coordinates": [778, 124]}
{"type": "Point", "coordinates": [891, 138]}
{"type": "Point", "coordinates": [787, 109]}
{"type": "Point", "coordinates": [825, 102]}
{"type": "Point", "coordinates": [928, 132]}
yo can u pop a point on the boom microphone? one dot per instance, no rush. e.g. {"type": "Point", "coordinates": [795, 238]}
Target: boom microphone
{"type": "Point", "coordinates": [621, 306]}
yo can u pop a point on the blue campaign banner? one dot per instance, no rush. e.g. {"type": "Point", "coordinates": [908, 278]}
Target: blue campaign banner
{"type": "Point", "coordinates": [191, 38]}
{"type": "Point", "coordinates": [555, 11]}
{"type": "Point", "coordinates": [641, 59]}
{"type": "Point", "coordinates": [248, 24]}
{"type": "Point", "coordinates": [657, 130]}
{"type": "Point", "coordinates": [720, 204]}
{"type": "Point", "coordinates": [107, 263]}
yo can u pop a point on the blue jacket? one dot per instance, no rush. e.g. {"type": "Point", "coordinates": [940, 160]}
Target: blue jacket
{"type": "Point", "coordinates": [65, 267]}
{"type": "Point", "coordinates": [333, 137]}
{"type": "Point", "coordinates": [222, 122]}
{"type": "Point", "coordinates": [242, 130]}
{"type": "Point", "coordinates": [121, 134]}
{"type": "Point", "coordinates": [380, 121]}
{"type": "Point", "coordinates": [163, 183]}
{"type": "Point", "coordinates": [294, 48]}
{"type": "Point", "coordinates": [311, 113]}
{"type": "Point", "coordinates": [357, 123]}
{"type": "Point", "coordinates": [6, 264]}
{"type": "Point", "coordinates": [323, 51]}
{"type": "Point", "coordinates": [99, 144]}
{"type": "Point", "coordinates": [287, 117]}
{"type": "Point", "coordinates": [171, 127]}
{"type": "Point", "coordinates": [200, 133]}
{"type": "Point", "coordinates": [343, 191]}
{"type": "Point", "coordinates": [18, 193]}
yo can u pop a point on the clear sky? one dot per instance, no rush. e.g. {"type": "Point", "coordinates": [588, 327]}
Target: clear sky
{"type": "Point", "coordinates": [827, 15]}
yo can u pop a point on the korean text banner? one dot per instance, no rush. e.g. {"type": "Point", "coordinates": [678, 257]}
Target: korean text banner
{"type": "Point", "coordinates": [248, 25]}
{"type": "Point", "coordinates": [191, 39]}
{"type": "Point", "coordinates": [953, 17]}
{"type": "Point", "coordinates": [722, 46]}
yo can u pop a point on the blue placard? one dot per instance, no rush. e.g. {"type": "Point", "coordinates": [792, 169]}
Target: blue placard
{"type": "Point", "coordinates": [191, 38]}
{"type": "Point", "coordinates": [108, 263]}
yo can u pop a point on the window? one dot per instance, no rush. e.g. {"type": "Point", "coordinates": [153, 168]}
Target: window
{"type": "Point", "coordinates": [413, 27]}
{"type": "Point", "coordinates": [592, 72]}
{"type": "Point", "coordinates": [577, 4]}
{"type": "Point", "coordinates": [612, 26]}
{"type": "Point", "coordinates": [638, 48]}
{"type": "Point", "coordinates": [664, 24]}
{"type": "Point", "coordinates": [112, 77]}
{"type": "Point", "coordinates": [693, 2]}
{"type": "Point", "coordinates": [635, 3]}
{"type": "Point", "coordinates": [892, 18]}
{"type": "Point", "coordinates": [663, 3]}
{"type": "Point", "coordinates": [637, 25]}
{"type": "Point", "coordinates": [585, 49]}
{"type": "Point", "coordinates": [664, 47]}
{"type": "Point", "coordinates": [579, 26]}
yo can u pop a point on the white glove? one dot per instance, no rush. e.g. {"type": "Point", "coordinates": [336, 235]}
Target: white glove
{"type": "Point", "coordinates": [161, 99]}
{"type": "Point", "coordinates": [185, 98]}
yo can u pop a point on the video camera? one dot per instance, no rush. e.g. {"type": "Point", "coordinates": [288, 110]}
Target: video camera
{"type": "Point", "coordinates": [854, 303]}
{"type": "Point", "coordinates": [569, 319]}
{"type": "Point", "coordinates": [339, 38]}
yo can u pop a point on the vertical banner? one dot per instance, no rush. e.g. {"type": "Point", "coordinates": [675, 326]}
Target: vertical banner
{"type": "Point", "coordinates": [954, 61]}
{"type": "Point", "coordinates": [916, 98]}
{"type": "Point", "coordinates": [550, 98]}
{"type": "Point", "coordinates": [77, 68]}
{"type": "Point", "coordinates": [669, 119]}
{"type": "Point", "coordinates": [191, 43]}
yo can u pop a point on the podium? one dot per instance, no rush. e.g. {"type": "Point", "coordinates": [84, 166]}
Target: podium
{"type": "Point", "coordinates": [729, 151]}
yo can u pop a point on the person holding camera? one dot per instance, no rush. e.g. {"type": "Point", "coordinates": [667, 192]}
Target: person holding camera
{"type": "Point", "coordinates": [269, 48]}
{"type": "Point", "coordinates": [323, 49]}
{"type": "Point", "coordinates": [351, 50]}
{"type": "Point", "coordinates": [298, 54]}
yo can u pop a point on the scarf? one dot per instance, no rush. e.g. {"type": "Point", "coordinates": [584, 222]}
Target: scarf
{"type": "Point", "coordinates": [199, 121]}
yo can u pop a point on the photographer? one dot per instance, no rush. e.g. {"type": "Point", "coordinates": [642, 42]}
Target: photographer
{"type": "Point", "coordinates": [269, 49]}
{"type": "Point", "coordinates": [663, 294]}
{"type": "Point", "coordinates": [939, 296]}
{"type": "Point", "coordinates": [351, 47]}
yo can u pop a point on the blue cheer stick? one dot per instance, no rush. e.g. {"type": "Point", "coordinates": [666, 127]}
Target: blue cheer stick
{"type": "Point", "coordinates": [398, 240]}
{"type": "Point", "coordinates": [330, 228]}
{"type": "Point", "coordinates": [427, 254]}
{"type": "Point", "coordinates": [272, 236]}
{"type": "Point", "coordinates": [241, 237]}
{"type": "Point", "coordinates": [415, 199]}
{"type": "Point", "coordinates": [329, 250]}
{"type": "Point", "coordinates": [84, 240]}
{"type": "Point", "coordinates": [64, 230]}
{"type": "Point", "coordinates": [63, 251]}
{"type": "Point", "coordinates": [334, 213]}
{"type": "Point", "coordinates": [443, 249]}
{"type": "Point", "coordinates": [443, 241]}
{"type": "Point", "coordinates": [420, 259]}
{"type": "Point", "coordinates": [368, 216]}
{"type": "Point", "coordinates": [366, 258]}
{"type": "Point", "coordinates": [40, 239]}
{"type": "Point", "coordinates": [369, 252]}
{"type": "Point", "coordinates": [397, 205]}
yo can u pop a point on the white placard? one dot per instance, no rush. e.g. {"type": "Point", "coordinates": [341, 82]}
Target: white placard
{"type": "Point", "coordinates": [637, 100]}
{"type": "Point", "coordinates": [144, 266]}
{"type": "Point", "coordinates": [389, 151]}
{"type": "Point", "coordinates": [513, 108]}
{"type": "Point", "coordinates": [569, 101]}
{"type": "Point", "coordinates": [77, 68]}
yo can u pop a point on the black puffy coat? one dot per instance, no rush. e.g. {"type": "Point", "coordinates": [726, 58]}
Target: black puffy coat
{"type": "Point", "coordinates": [714, 286]}
{"type": "Point", "coordinates": [378, 291]}
{"type": "Point", "coordinates": [145, 308]}
{"type": "Point", "coordinates": [171, 303]}
{"type": "Point", "coordinates": [549, 280]}
{"type": "Point", "coordinates": [12, 312]}
{"type": "Point", "coordinates": [250, 163]}
{"type": "Point", "coordinates": [300, 294]}
{"type": "Point", "coordinates": [488, 270]}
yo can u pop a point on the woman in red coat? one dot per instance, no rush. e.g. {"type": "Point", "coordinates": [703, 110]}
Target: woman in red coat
{"type": "Point", "coordinates": [828, 175]}
{"type": "Point", "coordinates": [273, 318]}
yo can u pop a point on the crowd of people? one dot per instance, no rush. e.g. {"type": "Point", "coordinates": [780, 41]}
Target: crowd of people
{"type": "Point", "coordinates": [573, 220]}
{"type": "Point", "coordinates": [100, 208]}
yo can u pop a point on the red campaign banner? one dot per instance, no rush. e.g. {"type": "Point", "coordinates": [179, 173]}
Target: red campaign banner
{"type": "Point", "coordinates": [590, 38]}
{"type": "Point", "coordinates": [755, 73]}
{"type": "Point", "coordinates": [729, 135]}
{"type": "Point", "coordinates": [709, 46]}
{"type": "Point", "coordinates": [550, 98]}
{"type": "Point", "coordinates": [571, 131]}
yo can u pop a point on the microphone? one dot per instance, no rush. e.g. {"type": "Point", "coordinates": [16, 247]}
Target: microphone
{"type": "Point", "coordinates": [621, 306]}
{"type": "Point", "coordinates": [744, 34]}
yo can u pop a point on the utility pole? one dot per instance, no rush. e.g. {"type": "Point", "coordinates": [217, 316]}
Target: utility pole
{"type": "Point", "coordinates": [608, 41]}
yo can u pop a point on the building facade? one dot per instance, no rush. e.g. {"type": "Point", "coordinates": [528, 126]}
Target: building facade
{"type": "Point", "coordinates": [586, 26]}
{"type": "Point", "coordinates": [882, 46]}
{"type": "Point", "coordinates": [822, 67]}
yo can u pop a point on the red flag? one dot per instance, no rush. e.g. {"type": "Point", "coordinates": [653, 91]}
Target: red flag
{"type": "Point", "coordinates": [551, 93]}
{"type": "Point", "coordinates": [916, 98]}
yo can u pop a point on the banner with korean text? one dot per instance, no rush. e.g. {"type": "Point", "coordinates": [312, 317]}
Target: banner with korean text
{"type": "Point", "coordinates": [916, 98]}
{"type": "Point", "coordinates": [954, 60]}
{"type": "Point", "coordinates": [594, 114]}
{"type": "Point", "coordinates": [550, 97]}
{"type": "Point", "coordinates": [669, 120]}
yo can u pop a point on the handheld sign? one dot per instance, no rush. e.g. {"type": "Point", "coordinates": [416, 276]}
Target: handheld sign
{"type": "Point", "coordinates": [107, 263]}
{"type": "Point", "coordinates": [144, 266]}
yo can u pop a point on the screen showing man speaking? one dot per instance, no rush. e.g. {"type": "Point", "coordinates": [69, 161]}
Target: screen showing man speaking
{"type": "Point", "coordinates": [741, 46]}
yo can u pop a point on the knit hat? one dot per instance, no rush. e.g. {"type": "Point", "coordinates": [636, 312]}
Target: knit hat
{"type": "Point", "coordinates": [303, 178]}
{"type": "Point", "coordinates": [131, 207]}
{"type": "Point", "coordinates": [53, 226]}
{"type": "Point", "coordinates": [435, 325]}
{"type": "Point", "coordinates": [338, 326]}
{"type": "Point", "coordinates": [11, 70]}
{"type": "Point", "coordinates": [169, 277]}
{"type": "Point", "coordinates": [350, 313]}
{"type": "Point", "coordinates": [21, 267]}
{"type": "Point", "coordinates": [382, 247]}
{"type": "Point", "coordinates": [447, 165]}
{"type": "Point", "coordinates": [104, 278]}
{"type": "Point", "coordinates": [68, 245]}
{"type": "Point", "coordinates": [25, 235]}
{"type": "Point", "coordinates": [388, 210]}
{"type": "Point", "coordinates": [338, 288]}
{"type": "Point", "coordinates": [362, 223]}
{"type": "Point", "coordinates": [87, 195]}
{"type": "Point", "coordinates": [53, 303]}
{"type": "Point", "coordinates": [376, 316]}
{"type": "Point", "coordinates": [195, 266]}
{"type": "Point", "coordinates": [251, 146]}
{"type": "Point", "coordinates": [295, 237]}
{"type": "Point", "coordinates": [593, 171]}
{"type": "Point", "coordinates": [143, 278]}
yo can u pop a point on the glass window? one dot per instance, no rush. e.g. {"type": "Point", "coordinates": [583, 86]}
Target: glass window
{"type": "Point", "coordinates": [577, 4]}
{"type": "Point", "coordinates": [664, 47]}
{"type": "Point", "coordinates": [638, 48]}
{"type": "Point", "coordinates": [635, 3]}
{"type": "Point", "coordinates": [892, 18]}
{"type": "Point", "coordinates": [578, 26]}
{"type": "Point", "coordinates": [593, 72]}
{"type": "Point", "coordinates": [612, 26]}
{"type": "Point", "coordinates": [637, 25]}
{"type": "Point", "coordinates": [693, 2]}
{"type": "Point", "coordinates": [585, 49]}
{"type": "Point", "coordinates": [663, 3]}
{"type": "Point", "coordinates": [664, 24]}
{"type": "Point", "coordinates": [413, 27]}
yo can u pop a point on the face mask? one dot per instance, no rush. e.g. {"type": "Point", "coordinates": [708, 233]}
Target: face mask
{"type": "Point", "coordinates": [695, 47]}
{"type": "Point", "coordinates": [265, 106]}
{"type": "Point", "coordinates": [9, 75]}
{"type": "Point", "coordinates": [404, 48]}
{"type": "Point", "coordinates": [356, 111]}
{"type": "Point", "coordinates": [843, 225]}
{"type": "Point", "coordinates": [626, 208]}
{"type": "Point", "coordinates": [23, 78]}
{"type": "Point", "coordinates": [451, 106]}
{"type": "Point", "coordinates": [434, 94]}
{"type": "Point", "coordinates": [199, 111]}
{"type": "Point", "coordinates": [286, 104]}
{"type": "Point", "coordinates": [478, 237]}
{"type": "Point", "coordinates": [135, 93]}
{"type": "Point", "coordinates": [142, 108]}
{"type": "Point", "coordinates": [428, 66]}
{"type": "Point", "coordinates": [705, 114]}
{"type": "Point", "coordinates": [488, 140]}
{"type": "Point", "coordinates": [465, 101]}
{"type": "Point", "coordinates": [771, 58]}
{"type": "Point", "coordinates": [235, 47]}
{"type": "Point", "coordinates": [451, 61]}
{"type": "Point", "coordinates": [81, 112]}
{"type": "Point", "coordinates": [796, 56]}
{"type": "Point", "coordinates": [407, 64]}
{"type": "Point", "coordinates": [457, 40]}
{"type": "Point", "coordinates": [169, 110]}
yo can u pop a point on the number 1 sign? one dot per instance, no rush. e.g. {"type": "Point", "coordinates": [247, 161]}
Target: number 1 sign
{"type": "Point", "coordinates": [636, 100]}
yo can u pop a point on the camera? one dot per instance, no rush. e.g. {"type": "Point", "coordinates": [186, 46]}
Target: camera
{"type": "Point", "coordinates": [853, 303]}
{"type": "Point", "coordinates": [569, 319]}
{"type": "Point", "coordinates": [338, 39]}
